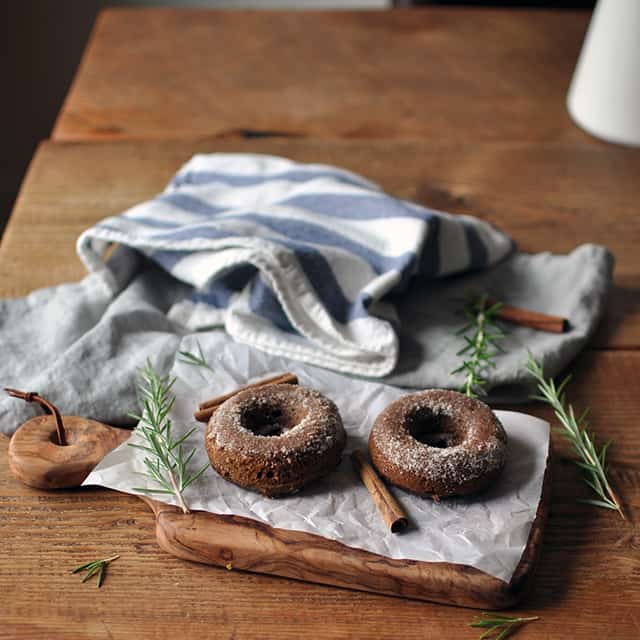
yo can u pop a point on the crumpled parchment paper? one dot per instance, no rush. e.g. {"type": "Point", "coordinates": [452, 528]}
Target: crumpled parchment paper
{"type": "Point", "coordinates": [488, 531]}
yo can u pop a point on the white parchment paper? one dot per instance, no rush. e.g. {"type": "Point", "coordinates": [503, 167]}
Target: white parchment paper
{"type": "Point", "coordinates": [488, 531]}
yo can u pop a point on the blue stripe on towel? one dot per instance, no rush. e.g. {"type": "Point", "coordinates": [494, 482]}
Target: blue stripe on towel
{"type": "Point", "coordinates": [322, 279]}
{"type": "Point", "coordinates": [191, 203]}
{"type": "Point", "coordinates": [153, 223]}
{"type": "Point", "coordinates": [223, 287]}
{"type": "Point", "coordinates": [352, 206]}
{"type": "Point", "coordinates": [238, 180]}
{"type": "Point", "coordinates": [430, 253]}
{"type": "Point", "coordinates": [263, 302]}
{"type": "Point", "coordinates": [477, 250]}
{"type": "Point", "coordinates": [167, 259]}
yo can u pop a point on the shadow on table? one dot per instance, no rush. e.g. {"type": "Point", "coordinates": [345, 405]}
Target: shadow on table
{"type": "Point", "coordinates": [565, 545]}
{"type": "Point", "coordinates": [623, 302]}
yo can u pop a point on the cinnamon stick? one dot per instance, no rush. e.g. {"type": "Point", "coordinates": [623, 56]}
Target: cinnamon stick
{"type": "Point", "coordinates": [392, 513]}
{"type": "Point", "coordinates": [532, 319]}
{"type": "Point", "coordinates": [207, 408]}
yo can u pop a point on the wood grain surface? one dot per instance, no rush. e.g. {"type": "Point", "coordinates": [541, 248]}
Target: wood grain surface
{"type": "Point", "coordinates": [460, 75]}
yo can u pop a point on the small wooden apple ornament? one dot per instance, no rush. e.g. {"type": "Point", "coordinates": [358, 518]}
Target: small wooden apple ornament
{"type": "Point", "coordinates": [58, 452]}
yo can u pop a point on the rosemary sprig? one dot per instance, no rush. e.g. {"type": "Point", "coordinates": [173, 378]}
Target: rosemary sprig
{"type": "Point", "coordinates": [574, 429]}
{"type": "Point", "coordinates": [166, 463]}
{"type": "Point", "coordinates": [95, 566]}
{"type": "Point", "coordinates": [500, 626]}
{"type": "Point", "coordinates": [482, 345]}
{"type": "Point", "coordinates": [195, 360]}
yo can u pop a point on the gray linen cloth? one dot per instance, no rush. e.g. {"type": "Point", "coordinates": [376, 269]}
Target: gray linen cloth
{"type": "Point", "coordinates": [80, 344]}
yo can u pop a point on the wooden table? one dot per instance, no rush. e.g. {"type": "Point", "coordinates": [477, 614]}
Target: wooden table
{"type": "Point", "coordinates": [460, 75]}
{"type": "Point", "coordinates": [486, 134]}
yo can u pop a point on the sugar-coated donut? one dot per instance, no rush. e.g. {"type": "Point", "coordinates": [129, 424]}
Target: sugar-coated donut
{"type": "Point", "coordinates": [438, 443]}
{"type": "Point", "coordinates": [275, 439]}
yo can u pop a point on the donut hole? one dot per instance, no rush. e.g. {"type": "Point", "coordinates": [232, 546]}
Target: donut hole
{"type": "Point", "coordinates": [432, 428]}
{"type": "Point", "coordinates": [270, 419]}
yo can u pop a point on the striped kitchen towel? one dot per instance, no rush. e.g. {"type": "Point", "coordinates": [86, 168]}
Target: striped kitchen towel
{"type": "Point", "coordinates": [294, 259]}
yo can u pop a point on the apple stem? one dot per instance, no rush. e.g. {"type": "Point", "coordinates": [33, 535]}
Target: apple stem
{"type": "Point", "coordinates": [32, 396]}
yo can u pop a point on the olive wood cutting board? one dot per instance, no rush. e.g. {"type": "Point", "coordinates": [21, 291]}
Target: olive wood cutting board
{"type": "Point", "coordinates": [235, 542]}
{"type": "Point", "coordinates": [240, 543]}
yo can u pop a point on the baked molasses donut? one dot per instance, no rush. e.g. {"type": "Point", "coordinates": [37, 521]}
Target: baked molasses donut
{"type": "Point", "coordinates": [438, 443]}
{"type": "Point", "coordinates": [275, 439]}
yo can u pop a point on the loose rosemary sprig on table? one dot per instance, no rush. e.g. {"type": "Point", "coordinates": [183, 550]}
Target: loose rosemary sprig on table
{"type": "Point", "coordinates": [574, 429]}
{"type": "Point", "coordinates": [482, 345]}
{"type": "Point", "coordinates": [195, 360]}
{"type": "Point", "coordinates": [501, 626]}
{"type": "Point", "coordinates": [166, 464]}
{"type": "Point", "coordinates": [95, 566]}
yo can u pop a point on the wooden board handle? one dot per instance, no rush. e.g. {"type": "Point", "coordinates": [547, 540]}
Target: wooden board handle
{"type": "Point", "coordinates": [36, 458]}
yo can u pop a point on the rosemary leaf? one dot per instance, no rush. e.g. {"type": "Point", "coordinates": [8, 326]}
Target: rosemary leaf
{"type": "Point", "coordinates": [186, 462]}
{"type": "Point", "coordinates": [482, 337]}
{"type": "Point", "coordinates": [95, 567]}
{"type": "Point", "coordinates": [166, 463]}
{"type": "Point", "coordinates": [195, 360]}
{"type": "Point", "coordinates": [497, 626]}
{"type": "Point", "coordinates": [194, 477]}
{"type": "Point", "coordinates": [140, 446]}
{"type": "Point", "coordinates": [599, 503]}
{"type": "Point", "coordinates": [83, 566]}
{"type": "Point", "coordinates": [574, 430]}
{"type": "Point", "coordinates": [181, 439]}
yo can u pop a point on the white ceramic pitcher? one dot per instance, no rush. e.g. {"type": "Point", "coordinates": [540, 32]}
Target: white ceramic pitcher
{"type": "Point", "coordinates": [604, 97]}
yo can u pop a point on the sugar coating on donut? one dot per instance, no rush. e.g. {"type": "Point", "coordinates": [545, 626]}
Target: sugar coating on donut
{"type": "Point", "coordinates": [275, 439]}
{"type": "Point", "coordinates": [314, 409]}
{"type": "Point", "coordinates": [471, 451]}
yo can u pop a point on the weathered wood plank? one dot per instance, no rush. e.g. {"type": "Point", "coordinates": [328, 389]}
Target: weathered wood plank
{"type": "Point", "coordinates": [440, 74]}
